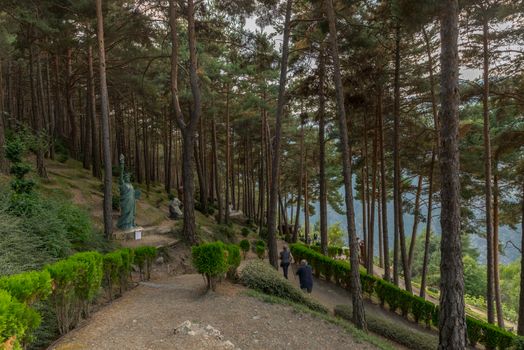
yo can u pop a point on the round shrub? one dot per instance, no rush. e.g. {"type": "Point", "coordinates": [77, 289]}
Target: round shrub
{"type": "Point", "coordinates": [233, 260]}
{"type": "Point", "coordinates": [260, 249]}
{"type": "Point", "coordinates": [244, 245]}
{"type": "Point", "coordinates": [210, 259]}
{"type": "Point", "coordinates": [245, 232]}
{"type": "Point", "coordinates": [27, 287]}
{"type": "Point", "coordinates": [16, 321]}
{"type": "Point", "coordinates": [143, 258]}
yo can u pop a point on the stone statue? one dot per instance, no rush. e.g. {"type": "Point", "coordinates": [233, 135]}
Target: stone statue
{"type": "Point", "coordinates": [128, 197]}
{"type": "Point", "coordinates": [174, 209]}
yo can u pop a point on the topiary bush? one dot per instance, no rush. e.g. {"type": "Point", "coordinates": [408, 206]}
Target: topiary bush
{"type": "Point", "coordinates": [64, 299]}
{"type": "Point", "coordinates": [244, 246]}
{"type": "Point", "coordinates": [264, 278]}
{"type": "Point", "coordinates": [28, 287]}
{"type": "Point", "coordinates": [233, 260]}
{"type": "Point", "coordinates": [210, 260]}
{"type": "Point", "coordinates": [113, 264]}
{"type": "Point", "coordinates": [16, 321]}
{"type": "Point", "coordinates": [143, 258]}
{"type": "Point", "coordinates": [260, 249]}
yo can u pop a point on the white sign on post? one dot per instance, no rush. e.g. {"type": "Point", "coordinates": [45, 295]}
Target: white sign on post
{"type": "Point", "coordinates": [138, 234]}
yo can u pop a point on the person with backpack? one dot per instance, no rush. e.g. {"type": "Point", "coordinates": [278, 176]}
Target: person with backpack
{"type": "Point", "coordinates": [285, 260]}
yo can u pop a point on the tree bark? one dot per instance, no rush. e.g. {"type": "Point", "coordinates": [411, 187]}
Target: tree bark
{"type": "Point", "coordinates": [416, 217]}
{"type": "Point", "coordinates": [520, 328]}
{"type": "Point", "coordinates": [452, 320]}
{"type": "Point", "coordinates": [217, 174]}
{"type": "Point", "coordinates": [496, 277]}
{"type": "Point", "coordinates": [188, 130]}
{"type": "Point", "coordinates": [95, 152]}
{"type": "Point", "coordinates": [356, 289]}
{"type": "Point", "coordinates": [300, 181]}
{"type": "Point", "coordinates": [275, 166]}
{"type": "Point", "coordinates": [383, 189]}
{"type": "Point", "coordinates": [428, 226]}
{"type": "Point", "coordinates": [490, 292]}
{"type": "Point", "coordinates": [3, 161]}
{"type": "Point", "coordinates": [108, 172]}
{"type": "Point", "coordinates": [322, 154]}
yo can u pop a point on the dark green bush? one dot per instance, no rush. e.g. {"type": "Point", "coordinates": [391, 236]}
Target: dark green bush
{"type": "Point", "coordinates": [233, 260]}
{"type": "Point", "coordinates": [244, 245]}
{"type": "Point", "coordinates": [210, 259]}
{"type": "Point", "coordinates": [28, 287]}
{"type": "Point", "coordinates": [474, 330]}
{"type": "Point", "coordinates": [113, 265]}
{"type": "Point", "coordinates": [16, 321]}
{"type": "Point", "coordinates": [260, 249]}
{"type": "Point", "coordinates": [264, 278]}
{"type": "Point", "coordinates": [245, 232]}
{"type": "Point", "coordinates": [143, 258]}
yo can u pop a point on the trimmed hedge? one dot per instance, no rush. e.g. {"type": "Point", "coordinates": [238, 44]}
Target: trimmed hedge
{"type": "Point", "coordinates": [72, 284]}
{"type": "Point", "coordinates": [408, 337]}
{"type": "Point", "coordinates": [16, 321]}
{"type": "Point", "coordinates": [421, 310]}
{"type": "Point", "coordinates": [28, 287]}
{"type": "Point", "coordinates": [244, 245]}
{"type": "Point", "coordinates": [143, 258]}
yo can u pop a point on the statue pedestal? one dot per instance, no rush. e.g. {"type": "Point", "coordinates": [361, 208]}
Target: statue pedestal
{"type": "Point", "coordinates": [134, 233]}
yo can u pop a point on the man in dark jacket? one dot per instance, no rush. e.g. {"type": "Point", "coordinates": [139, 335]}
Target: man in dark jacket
{"type": "Point", "coordinates": [285, 260]}
{"type": "Point", "coordinates": [305, 276]}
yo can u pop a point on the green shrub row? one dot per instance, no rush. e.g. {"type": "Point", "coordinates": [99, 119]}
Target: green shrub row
{"type": "Point", "coordinates": [71, 285]}
{"type": "Point", "coordinates": [409, 337]}
{"type": "Point", "coordinates": [423, 311]}
{"type": "Point", "coordinates": [215, 259]}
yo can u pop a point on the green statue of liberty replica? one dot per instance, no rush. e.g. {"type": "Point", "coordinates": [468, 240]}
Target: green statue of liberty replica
{"type": "Point", "coordinates": [128, 197]}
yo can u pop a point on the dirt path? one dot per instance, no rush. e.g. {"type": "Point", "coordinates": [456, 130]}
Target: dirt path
{"type": "Point", "coordinates": [145, 318]}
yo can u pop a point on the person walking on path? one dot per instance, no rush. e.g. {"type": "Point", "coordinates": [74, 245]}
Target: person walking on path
{"type": "Point", "coordinates": [305, 276]}
{"type": "Point", "coordinates": [285, 260]}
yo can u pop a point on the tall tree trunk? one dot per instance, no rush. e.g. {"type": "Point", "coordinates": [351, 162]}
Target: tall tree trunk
{"type": "Point", "coordinates": [95, 152]}
{"type": "Point", "coordinates": [3, 161]}
{"type": "Point", "coordinates": [356, 288]}
{"type": "Point", "coordinates": [490, 292]}
{"type": "Point", "coordinates": [520, 328]}
{"type": "Point", "coordinates": [228, 158]}
{"type": "Point", "coordinates": [300, 181]}
{"type": "Point", "coordinates": [306, 209]}
{"type": "Point", "coordinates": [371, 226]}
{"type": "Point", "coordinates": [73, 142]}
{"type": "Point", "coordinates": [220, 214]}
{"type": "Point", "coordinates": [188, 130]}
{"type": "Point", "coordinates": [452, 318]}
{"type": "Point", "coordinates": [428, 225]}
{"type": "Point", "coordinates": [275, 166]}
{"type": "Point", "coordinates": [383, 189]}
{"type": "Point", "coordinates": [496, 277]}
{"type": "Point", "coordinates": [37, 115]}
{"type": "Point", "coordinates": [106, 146]}
{"type": "Point", "coordinates": [322, 154]}
{"type": "Point", "coordinates": [416, 216]}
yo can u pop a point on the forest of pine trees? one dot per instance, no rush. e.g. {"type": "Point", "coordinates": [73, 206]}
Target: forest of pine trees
{"type": "Point", "coordinates": [268, 107]}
